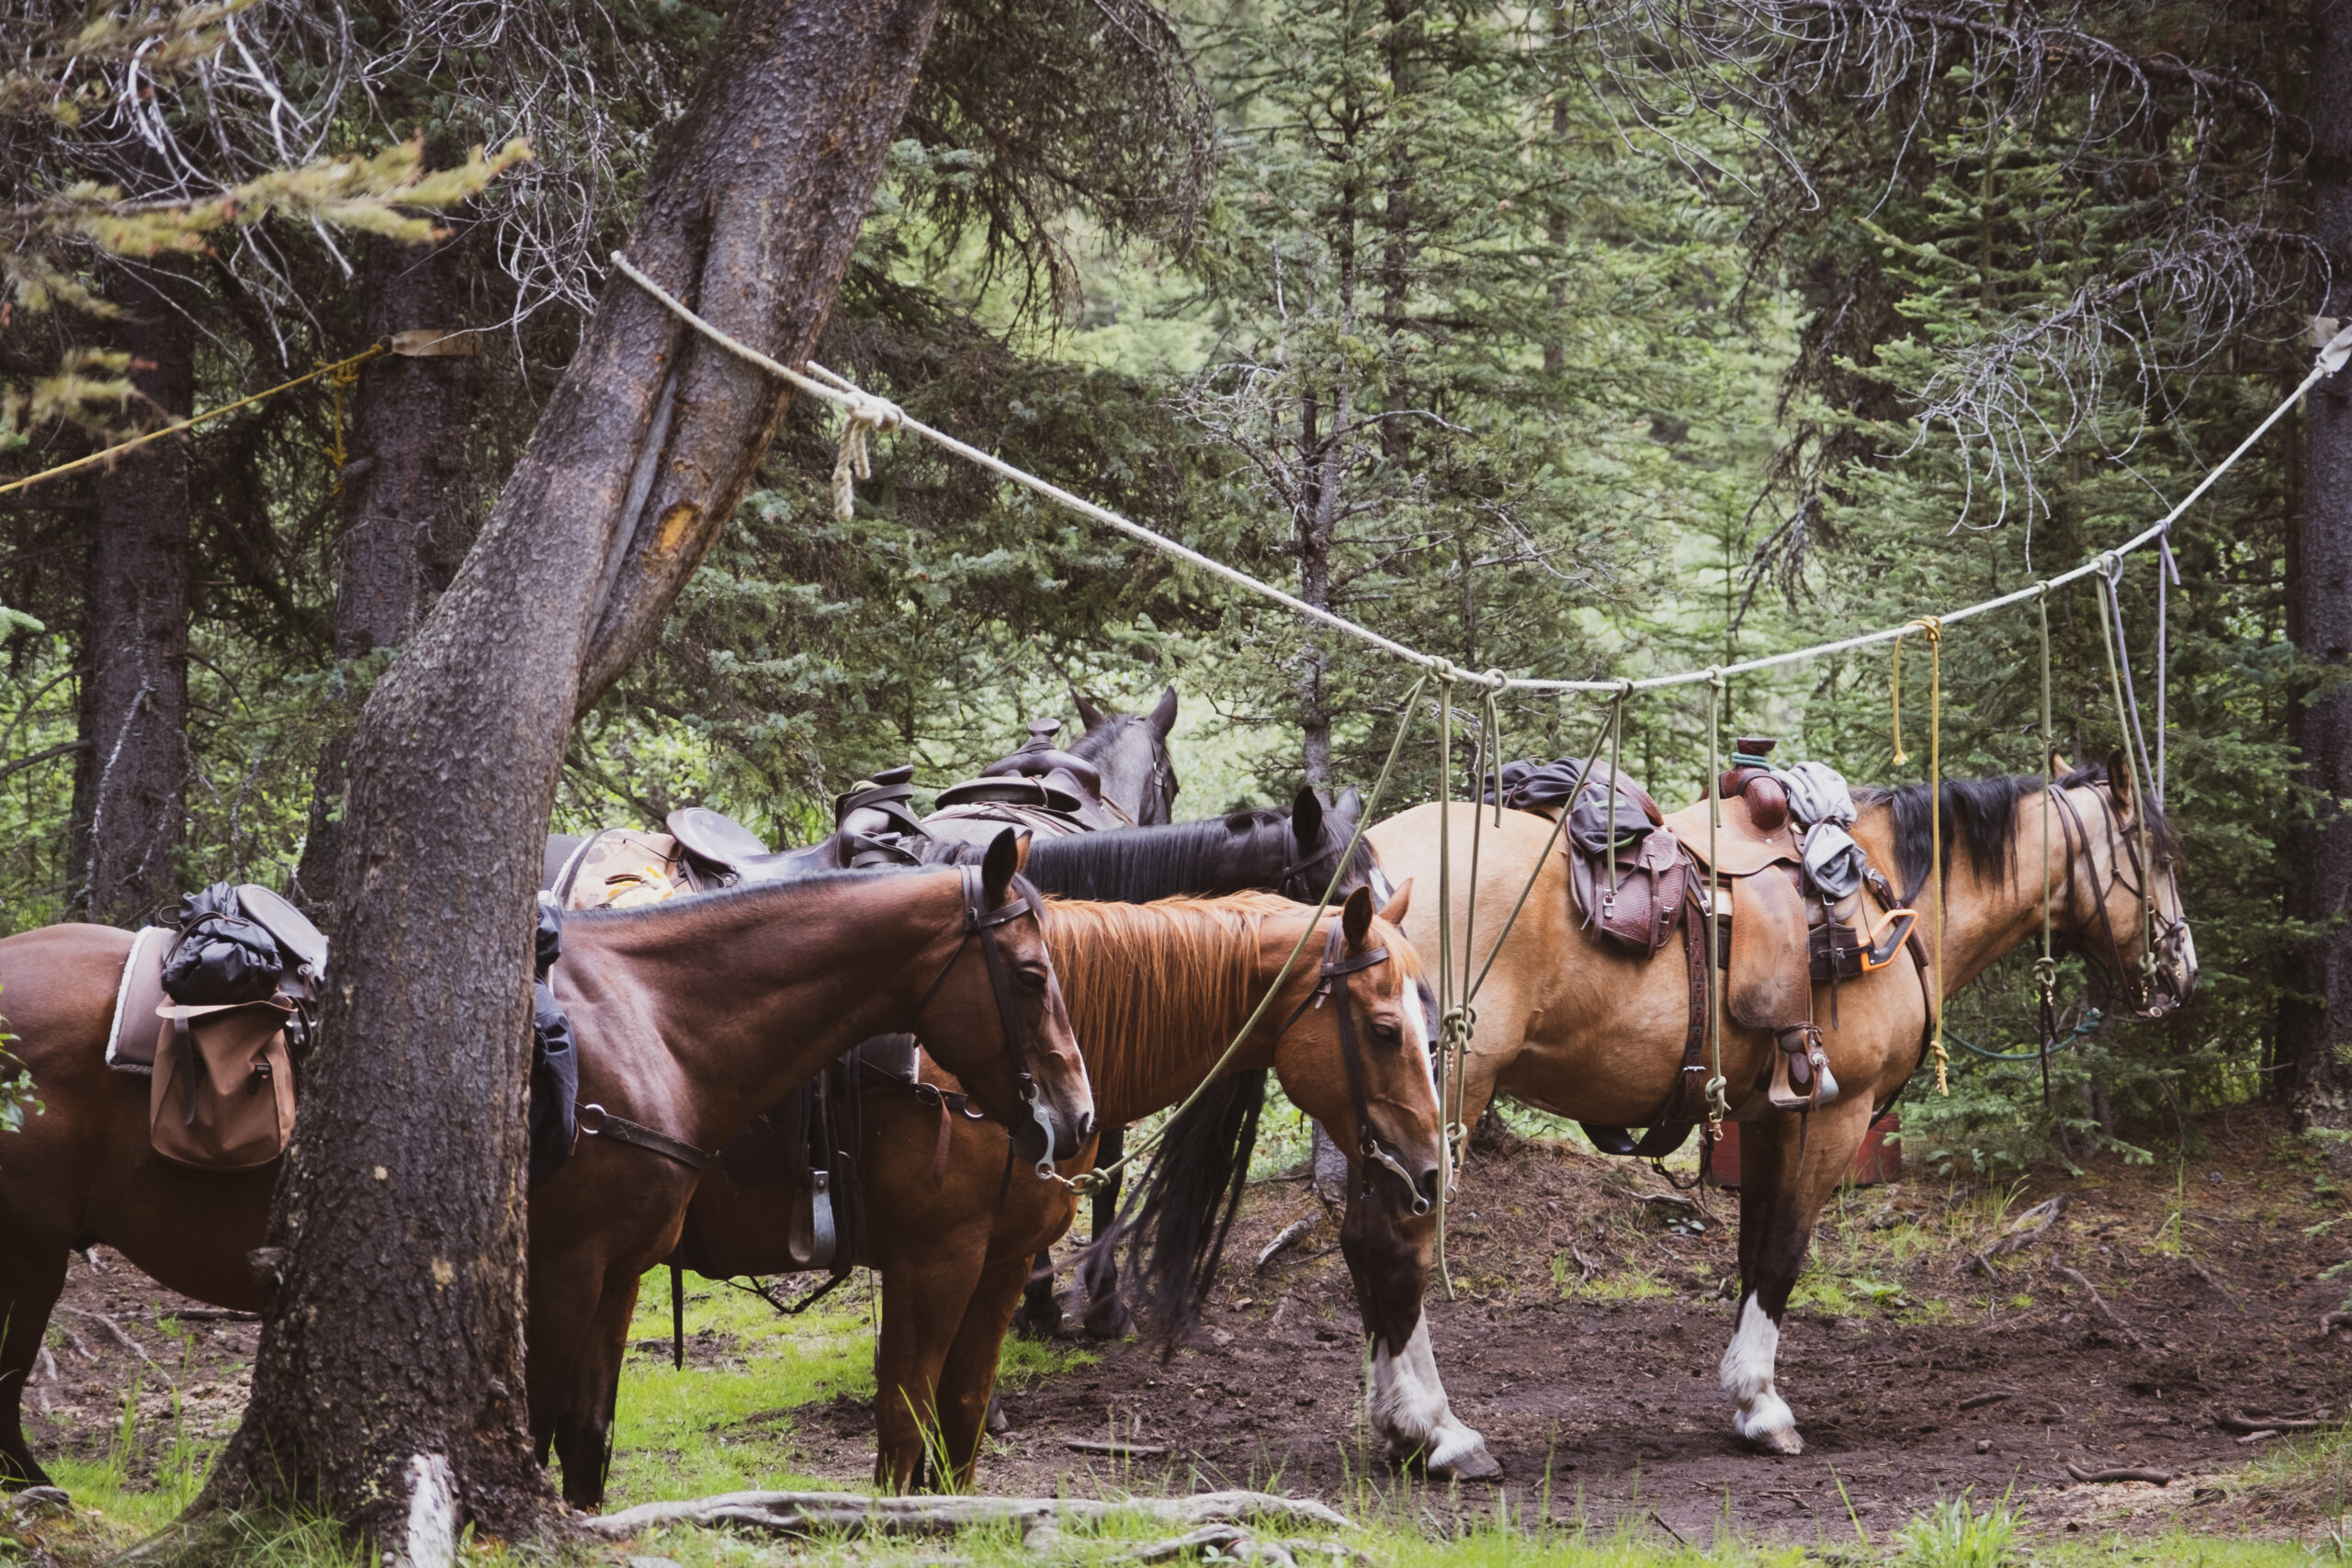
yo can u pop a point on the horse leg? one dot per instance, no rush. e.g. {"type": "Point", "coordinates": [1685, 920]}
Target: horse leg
{"type": "Point", "coordinates": [968, 1377]}
{"type": "Point", "coordinates": [32, 1276]}
{"type": "Point", "coordinates": [1789, 1164]}
{"type": "Point", "coordinates": [924, 1298]}
{"type": "Point", "coordinates": [1404, 1395]}
{"type": "Point", "coordinates": [1107, 1316]}
{"type": "Point", "coordinates": [590, 1392]}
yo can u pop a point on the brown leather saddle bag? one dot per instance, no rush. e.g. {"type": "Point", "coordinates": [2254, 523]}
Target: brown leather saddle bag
{"type": "Point", "coordinates": [1637, 900]}
{"type": "Point", "coordinates": [221, 1096]}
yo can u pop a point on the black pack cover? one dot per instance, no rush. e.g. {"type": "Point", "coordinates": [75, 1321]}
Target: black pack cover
{"type": "Point", "coordinates": [222, 958]}
{"type": "Point", "coordinates": [555, 1065]}
{"type": "Point", "coordinates": [1599, 818]}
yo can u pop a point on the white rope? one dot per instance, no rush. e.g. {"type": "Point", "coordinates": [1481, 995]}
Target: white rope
{"type": "Point", "coordinates": [867, 411]}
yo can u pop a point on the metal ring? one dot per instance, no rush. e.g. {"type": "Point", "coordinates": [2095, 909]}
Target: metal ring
{"type": "Point", "coordinates": [579, 1118]}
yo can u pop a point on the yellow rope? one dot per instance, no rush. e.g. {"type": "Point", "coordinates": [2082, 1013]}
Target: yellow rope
{"type": "Point", "coordinates": [1934, 631]}
{"type": "Point", "coordinates": [344, 370]}
{"type": "Point", "coordinates": [343, 373]}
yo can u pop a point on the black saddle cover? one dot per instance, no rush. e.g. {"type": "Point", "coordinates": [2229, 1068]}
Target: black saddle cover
{"type": "Point", "coordinates": [1626, 872]}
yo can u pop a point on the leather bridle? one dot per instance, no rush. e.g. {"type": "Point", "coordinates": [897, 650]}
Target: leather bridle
{"type": "Point", "coordinates": [982, 921]}
{"type": "Point", "coordinates": [2148, 988]}
{"type": "Point", "coordinates": [1333, 982]}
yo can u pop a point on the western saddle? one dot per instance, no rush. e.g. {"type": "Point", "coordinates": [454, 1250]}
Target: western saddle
{"type": "Point", "coordinates": [1791, 881]}
{"type": "Point", "coordinates": [1038, 786]}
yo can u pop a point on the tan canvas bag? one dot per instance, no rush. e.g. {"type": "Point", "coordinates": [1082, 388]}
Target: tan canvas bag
{"type": "Point", "coordinates": [223, 1095]}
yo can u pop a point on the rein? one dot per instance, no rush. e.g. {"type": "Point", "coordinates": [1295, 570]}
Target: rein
{"type": "Point", "coordinates": [2159, 927]}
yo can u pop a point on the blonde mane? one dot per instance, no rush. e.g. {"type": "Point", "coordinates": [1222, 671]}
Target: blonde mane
{"type": "Point", "coordinates": [1203, 956]}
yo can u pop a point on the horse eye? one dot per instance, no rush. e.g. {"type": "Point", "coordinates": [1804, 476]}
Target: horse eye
{"type": "Point", "coordinates": [1385, 1033]}
{"type": "Point", "coordinates": [1034, 979]}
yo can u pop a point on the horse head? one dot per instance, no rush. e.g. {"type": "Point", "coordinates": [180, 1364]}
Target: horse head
{"type": "Point", "coordinates": [2117, 901]}
{"type": "Point", "coordinates": [995, 1018]}
{"type": "Point", "coordinates": [1130, 751]}
{"type": "Point", "coordinates": [1318, 843]}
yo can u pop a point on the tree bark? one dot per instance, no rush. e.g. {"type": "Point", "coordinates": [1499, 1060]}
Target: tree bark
{"type": "Point", "coordinates": [2315, 1020]}
{"type": "Point", "coordinates": [389, 1375]}
{"type": "Point", "coordinates": [130, 776]}
{"type": "Point", "coordinates": [404, 514]}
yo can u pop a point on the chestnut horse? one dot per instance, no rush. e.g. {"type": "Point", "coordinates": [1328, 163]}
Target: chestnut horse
{"type": "Point", "coordinates": [688, 1015]}
{"type": "Point", "coordinates": [1575, 1025]}
{"type": "Point", "coordinates": [1156, 991]}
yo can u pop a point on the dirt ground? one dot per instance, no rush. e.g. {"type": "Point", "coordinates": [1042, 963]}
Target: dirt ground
{"type": "Point", "coordinates": [1591, 1308]}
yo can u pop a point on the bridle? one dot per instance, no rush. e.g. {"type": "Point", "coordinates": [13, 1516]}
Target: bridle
{"type": "Point", "coordinates": [982, 921]}
{"type": "Point", "coordinates": [2147, 987]}
{"type": "Point", "coordinates": [1294, 878]}
{"type": "Point", "coordinates": [1333, 982]}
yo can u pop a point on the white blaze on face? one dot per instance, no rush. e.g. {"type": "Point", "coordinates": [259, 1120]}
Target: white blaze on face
{"type": "Point", "coordinates": [1405, 1400]}
{"type": "Point", "coordinates": [1748, 1374]}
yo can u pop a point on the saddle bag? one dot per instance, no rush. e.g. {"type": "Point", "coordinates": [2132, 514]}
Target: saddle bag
{"type": "Point", "coordinates": [1639, 906]}
{"type": "Point", "coordinates": [1836, 952]}
{"type": "Point", "coordinates": [222, 958]}
{"type": "Point", "coordinates": [222, 1094]}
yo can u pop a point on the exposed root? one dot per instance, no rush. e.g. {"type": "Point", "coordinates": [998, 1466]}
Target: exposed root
{"type": "Point", "coordinates": [2075, 1278]}
{"type": "Point", "coordinates": [844, 1512]}
{"type": "Point", "coordinates": [2154, 1477]}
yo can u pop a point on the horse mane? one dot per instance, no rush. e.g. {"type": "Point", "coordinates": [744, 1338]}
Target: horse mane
{"type": "Point", "coordinates": [1175, 1223]}
{"type": "Point", "coordinates": [1203, 956]}
{"type": "Point", "coordinates": [1981, 817]}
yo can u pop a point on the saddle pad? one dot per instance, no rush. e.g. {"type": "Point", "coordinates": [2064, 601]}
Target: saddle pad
{"type": "Point", "coordinates": [1770, 984]}
{"type": "Point", "coordinates": [132, 1049]}
{"type": "Point", "coordinates": [1741, 848]}
{"type": "Point", "coordinates": [622, 867]}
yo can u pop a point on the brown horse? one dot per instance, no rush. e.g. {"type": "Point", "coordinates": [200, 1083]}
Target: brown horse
{"type": "Point", "coordinates": [689, 1015]}
{"type": "Point", "coordinates": [1580, 1027]}
{"type": "Point", "coordinates": [1156, 991]}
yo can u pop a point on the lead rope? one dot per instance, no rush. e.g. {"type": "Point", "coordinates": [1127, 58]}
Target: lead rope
{"type": "Point", "coordinates": [2045, 968]}
{"type": "Point", "coordinates": [1718, 1100]}
{"type": "Point", "coordinates": [2123, 717]}
{"type": "Point", "coordinates": [1934, 631]}
{"type": "Point", "coordinates": [1453, 1022]}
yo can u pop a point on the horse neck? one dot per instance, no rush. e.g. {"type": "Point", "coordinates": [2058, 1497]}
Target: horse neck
{"type": "Point", "coordinates": [1125, 778]}
{"type": "Point", "coordinates": [1985, 919]}
{"type": "Point", "coordinates": [1153, 1024]}
{"type": "Point", "coordinates": [755, 991]}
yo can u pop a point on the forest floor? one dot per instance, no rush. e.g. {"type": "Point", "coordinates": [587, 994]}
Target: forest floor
{"type": "Point", "coordinates": [1591, 1308]}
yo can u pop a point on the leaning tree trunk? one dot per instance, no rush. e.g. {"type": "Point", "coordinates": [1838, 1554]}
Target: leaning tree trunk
{"type": "Point", "coordinates": [130, 773]}
{"type": "Point", "coordinates": [389, 1383]}
{"type": "Point", "coordinates": [2315, 1022]}
{"type": "Point", "coordinates": [403, 504]}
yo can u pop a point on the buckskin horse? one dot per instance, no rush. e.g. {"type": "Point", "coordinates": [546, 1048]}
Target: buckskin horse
{"type": "Point", "coordinates": [1157, 991]}
{"type": "Point", "coordinates": [688, 1015]}
{"type": "Point", "coordinates": [1584, 1029]}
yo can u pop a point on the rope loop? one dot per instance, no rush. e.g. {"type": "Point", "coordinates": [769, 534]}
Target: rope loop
{"type": "Point", "coordinates": [863, 412]}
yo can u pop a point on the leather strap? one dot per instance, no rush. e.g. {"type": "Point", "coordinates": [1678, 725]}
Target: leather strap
{"type": "Point", "coordinates": [595, 1122]}
{"type": "Point", "coordinates": [1685, 1107]}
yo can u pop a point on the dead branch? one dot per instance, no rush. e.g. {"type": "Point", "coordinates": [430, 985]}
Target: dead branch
{"type": "Point", "coordinates": [1120, 1449]}
{"type": "Point", "coordinates": [2329, 1322]}
{"type": "Point", "coordinates": [1292, 1234]}
{"type": "Point", "coordinates": [2283, 1423]}
{"type": "Point", "coordinates": [2155, 1477]}
{"type": "Point", "coordinates": [808, 1513]}
{"type": "Point", "coordinates": [2029, 1226]}
{"type": "Point", "coordinates": [2075, 1278]}
{"type": "Point", "coordinates": [113, 1329]}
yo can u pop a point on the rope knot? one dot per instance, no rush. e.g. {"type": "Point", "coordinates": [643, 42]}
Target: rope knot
{"type": "Point", "coordinates": [863, 412]}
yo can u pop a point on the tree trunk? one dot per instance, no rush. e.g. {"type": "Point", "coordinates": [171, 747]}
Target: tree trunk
{"type": "Point", "coordinates": [130, 776]}
{"type": "Point", "coordinates": [2315, 1020]}
{"type": "Point", "coordinates": [387, 1388]}
{"type": "Point", "coordinates": [404, 513]}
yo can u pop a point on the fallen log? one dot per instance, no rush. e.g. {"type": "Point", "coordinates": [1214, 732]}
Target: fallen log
{"type": "Point", "coordinates": [850, 1514]}
{"type": "Point", "coordinates": [2154, 1477]}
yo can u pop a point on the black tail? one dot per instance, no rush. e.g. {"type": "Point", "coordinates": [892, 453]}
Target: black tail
{"type": "Point", "coordinates": [1175, 1226]}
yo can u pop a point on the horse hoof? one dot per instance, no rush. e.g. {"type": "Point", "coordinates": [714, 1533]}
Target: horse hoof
{"type": "Point", "coordinates": [1784, 1441]}
{"type": "Point", "coordinates": [1475, 1465]}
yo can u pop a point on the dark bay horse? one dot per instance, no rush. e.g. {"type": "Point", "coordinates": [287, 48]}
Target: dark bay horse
{"type": "Point", "coordinates": [1573, 1024]}
{"type": "Point", "coordinates": [689, 1016]}
{"type": "Point", "coordinates": [1126, 754]}
{"type": "Point", "coordinates": [1157, 991]}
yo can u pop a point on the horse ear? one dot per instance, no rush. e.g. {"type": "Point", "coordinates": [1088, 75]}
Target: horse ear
{"type": "Point", "coordinates": [2059, 766]}
{"type": "Point", "coordinates": [1393, 911]}
{"type": "Point", "coordinates": [1356, 918]}
{"type": "Point", "coordinates": [1350, 803]}
{"type": "Point", "coordinates": [2119, 778]}
{"type": "Point", "coordinates": [1163, 717]}
{"type": "Point", "coordinates": [1088, 714]}
{"type": "Point", "coordinates": [1307, 818]}
{"type": "Point", "coordinates": [1006, 856]}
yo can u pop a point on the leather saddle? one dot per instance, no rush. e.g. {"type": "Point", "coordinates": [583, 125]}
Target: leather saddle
{"type": "Point", "coordinates": [1034, 786]}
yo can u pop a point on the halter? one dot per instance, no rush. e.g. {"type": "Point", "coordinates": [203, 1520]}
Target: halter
{"type": "Point", "coordinates": [982, 921]}
{"type": "Point", "coordinates": [2162, 932]}
{"type": "Point", "coordinates": [1337, 967]}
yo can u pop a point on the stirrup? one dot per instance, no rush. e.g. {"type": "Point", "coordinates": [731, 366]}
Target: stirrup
{"type": "Point", "coordinates": [1795, 1049]}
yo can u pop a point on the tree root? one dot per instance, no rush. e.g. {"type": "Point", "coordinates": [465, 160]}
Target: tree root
{"type": "Point", "coordinates": [2075, 1278]}
{"type": "Point", "coordinates": [1233, 1543]}
{"type": "Point", "coordinates": [1037, 1518]}
{"type": "Point", "coordinates": [2155, 1477]}
{"type": "Point", "coordinates": [2329, 1322]}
